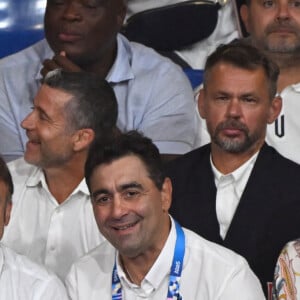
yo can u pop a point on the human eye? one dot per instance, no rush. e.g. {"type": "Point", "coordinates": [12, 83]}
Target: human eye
{"type": "Point", "coordinates": [93, 4]}
{"type": "Point", "coordinates": [294, 4]}
{"type": "Point", "coordinates": [42, 115]}
{"type": "Point", "coordinates": [221, 98]}
{"type": "Point", "coordinates": [249, 99]}
{"type": "Point", "coordinates": [130, 194]}
{"type": "Point", "coordinates": [268, 3]}
{"type": "Point", "coordinates": [101, 199]}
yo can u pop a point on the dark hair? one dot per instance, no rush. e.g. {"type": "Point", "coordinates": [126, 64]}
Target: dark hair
{"type": "Point", "coordinates": [124, 144]}
{"type": "Point", "coordinates": [244, 56]}
{"type": "Point", "coordinates": [6, 178]}
{"type": "Point", "coordinates": [93, 104]}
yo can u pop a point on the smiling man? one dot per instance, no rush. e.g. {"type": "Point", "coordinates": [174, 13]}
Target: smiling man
{"type": "Point", "coordinates": [147, 254]}
{"type": "Point", "coordinates": [153, 94]}
{"type": "Point", "coordinates": [52, 220]}
{"type": "Point", "coordinates": [274, 27]}
{"type": "Point", "coordinates": [234, 190]}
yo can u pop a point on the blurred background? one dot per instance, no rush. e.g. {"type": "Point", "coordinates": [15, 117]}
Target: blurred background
{"type": "Point", "coordinates": [21, 24]}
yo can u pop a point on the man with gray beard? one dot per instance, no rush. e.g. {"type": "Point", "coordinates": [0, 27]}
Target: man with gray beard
{"type": "Point", "coordinates": [274, 27]}
{"type": "Point", "coordinates": [235, 190]}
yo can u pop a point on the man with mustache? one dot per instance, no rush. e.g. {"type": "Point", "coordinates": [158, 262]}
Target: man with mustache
{"type": "Point", "coordinates": [274, 27]}
{"type": "Point", "coordinates": [153, 94]}
{"type": "Point", "coordinates": [235, 190]}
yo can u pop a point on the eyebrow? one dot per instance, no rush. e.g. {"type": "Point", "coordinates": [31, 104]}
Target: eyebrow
{"type": "Point", "coordinates": [39, 109]}
{"type": "Point", "coordinates": [121, 188]}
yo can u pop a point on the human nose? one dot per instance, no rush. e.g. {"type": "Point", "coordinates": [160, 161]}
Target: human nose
{"type": "Point", "coordinates": [29, 122]}
{"type": "Point", "coordinates": [118, 207]}
{"type": "Point", "coordinates": [234, 108]}
{"type": "Point", "coordinates": [71, 12]}
{"type": "Point", "coordinates": [282, 10]}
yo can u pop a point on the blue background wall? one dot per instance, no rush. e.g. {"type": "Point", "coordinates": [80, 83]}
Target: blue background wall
{"type": "Point", "coordinates": [21, 24]}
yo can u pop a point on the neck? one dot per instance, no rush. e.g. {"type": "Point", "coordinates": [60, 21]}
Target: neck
{"type": "Point", "coordinates": [102, 66]}
{"type": "Point", "coordinates": [226, 162]}
{"type": "Point", "coordinates": [62, 180]}
{"type": "Point", "coordinates": [137, 267]}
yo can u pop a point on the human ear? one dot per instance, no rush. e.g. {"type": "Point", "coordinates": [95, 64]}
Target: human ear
{"type": "Point", "coordinates": [275, 109]}
{"type": "Point", "coordinates": [166, 194]}
{"type": "Point", "coordinates": [8, 207]}
{"type": "Point", "coordinates": [83, 138]}
{"type": "Point", "coordinates": [244, 12]}
{"type": "Point", "coordinates": [201, 106]}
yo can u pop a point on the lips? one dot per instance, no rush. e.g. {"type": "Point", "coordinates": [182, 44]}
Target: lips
{"type": "Point", "coordinates": [124, 227]}
{"type": "Point", "coordinates": [69, 37]}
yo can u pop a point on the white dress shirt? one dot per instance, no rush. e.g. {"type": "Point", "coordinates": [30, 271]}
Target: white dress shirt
{"type": "Point", "coordinates": [21, 279]}
{"type": "Point", "coordinates": [51, 234]}
{"type": "Point", "coordinates": [209, 272]}
{"type": "Point", "coordinates": [230, 188]}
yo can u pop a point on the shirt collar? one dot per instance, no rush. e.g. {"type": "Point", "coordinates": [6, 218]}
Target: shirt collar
{"type": "Point", "coordinates": [37, 178]}
{"type": "Point", "coordinates": [121, 69]}
{"type": "Point", "coordinates": [48, 54]}
{"type": "Point", "coordinates": [240, 175]}
{"type": "Point", "coordinates": [295, 87]}
{"type": "Point", "coordinates": [161, 267]}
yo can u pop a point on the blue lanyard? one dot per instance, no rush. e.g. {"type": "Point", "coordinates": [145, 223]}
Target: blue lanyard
{"type": "Point", "coordinates": [175, 274]}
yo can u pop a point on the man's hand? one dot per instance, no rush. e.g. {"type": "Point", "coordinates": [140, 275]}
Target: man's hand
{"type": "Point", "coordinates": [59, 61]}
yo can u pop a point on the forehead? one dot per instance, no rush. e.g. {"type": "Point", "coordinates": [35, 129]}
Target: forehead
{"type": "Point", "coordinates": [51, 98]}
{"type": "Point", "coordinates": [227, 76]}
{"type": "Point", "coordinates": [120, 171]}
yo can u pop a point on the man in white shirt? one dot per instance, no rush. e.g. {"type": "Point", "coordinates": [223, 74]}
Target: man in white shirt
{"type": "Point", "coordinates": [147, 253]}
{"type": "Point", "coordinates": [20, 278]}
{"type": "Point", "coordinates": [52, 220]}
{"type": "Point", "coordinates": [274, 27]}
{"type": "Point", "coordinates": [235, 190]}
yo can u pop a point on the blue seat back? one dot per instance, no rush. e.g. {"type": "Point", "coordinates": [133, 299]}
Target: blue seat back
{"type": "Point", "coordinates": [21, 24]}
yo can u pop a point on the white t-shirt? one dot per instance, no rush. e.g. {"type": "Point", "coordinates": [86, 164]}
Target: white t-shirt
{"type": "Point", "coordinates": [21, 279]}
{"type": "Point", "coordinates": [209, 272]}
{"type": "Point", "coordinates": [284, 133]}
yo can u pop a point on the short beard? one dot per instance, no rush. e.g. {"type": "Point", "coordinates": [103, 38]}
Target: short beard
{"type": "Point", "coordinates": [283, 48]}
{"type": "Point", "coordinates": [233, 145]}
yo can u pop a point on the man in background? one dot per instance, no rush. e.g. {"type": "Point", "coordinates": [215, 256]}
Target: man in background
{"type": "Point", "coordinates": [52, 219]}
{"type": "Point", "coordinates": [153, 94]}
{"type": "Point", "coordinates": [237, 191]}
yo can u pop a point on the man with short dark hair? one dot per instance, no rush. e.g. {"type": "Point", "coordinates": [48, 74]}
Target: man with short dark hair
{"type": "Point", "coordinates": [235, 190]}
{"type": "Point", "coordinates": [52, 219]}
{"type": "Point", "coordinates": [20, 278]}
{"type": "Point", "coordinates": [153, 94]}
{"type": "Point", "coordinates": [147, 254]}
{"type": "Point", "coordinates": [274, 27]}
